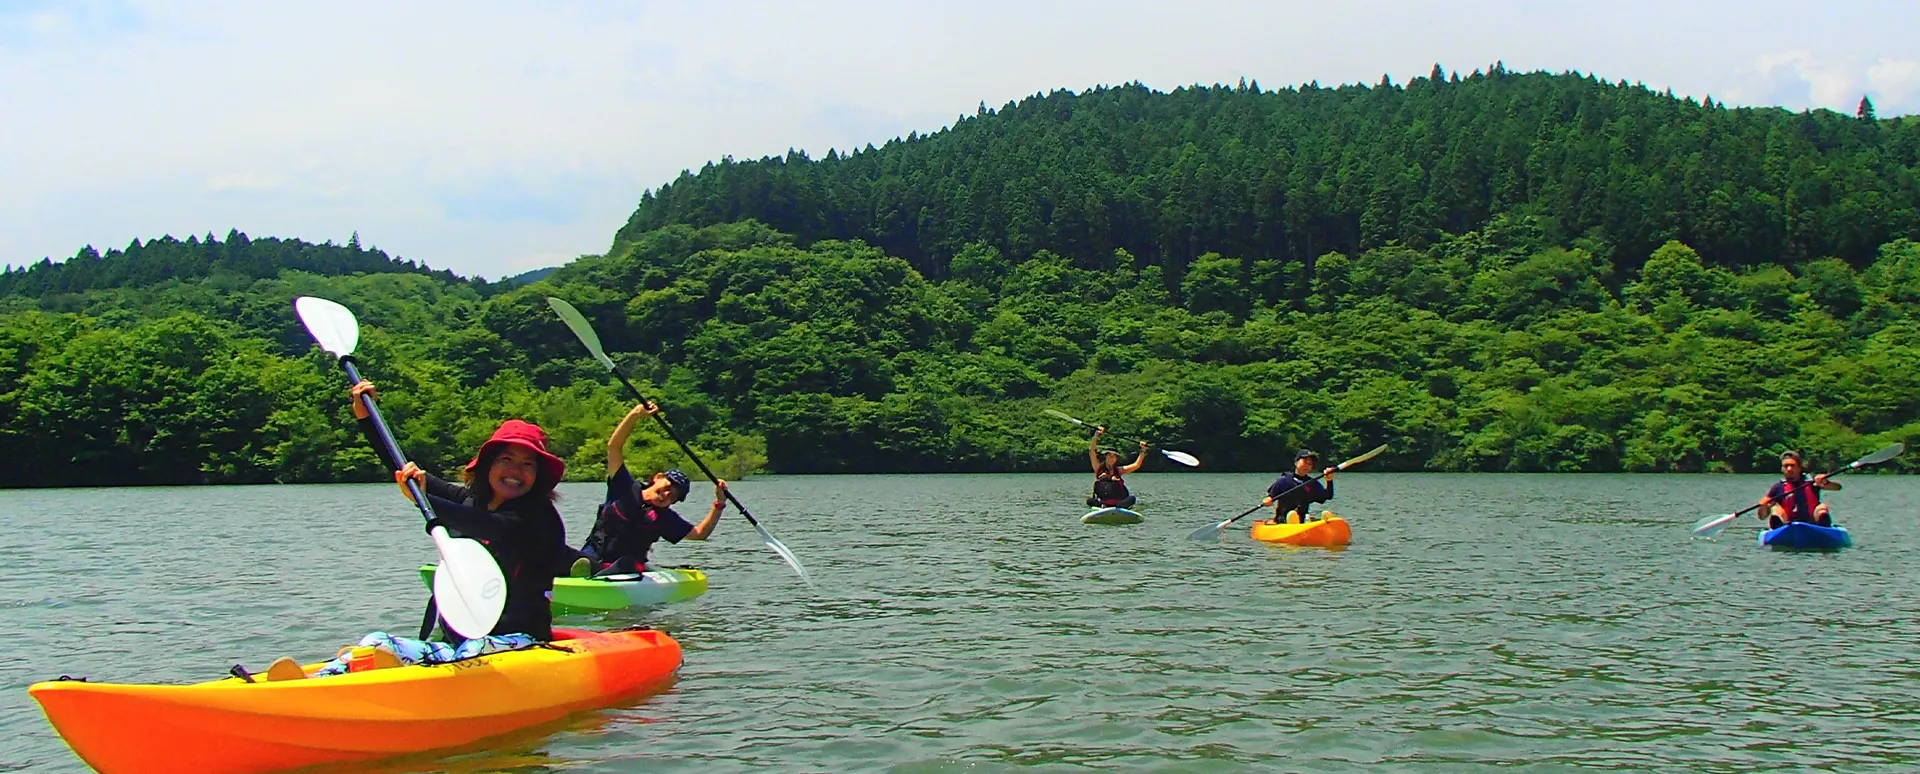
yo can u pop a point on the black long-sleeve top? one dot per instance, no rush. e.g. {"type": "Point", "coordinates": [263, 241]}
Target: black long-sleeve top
{"type": "Point", "coordinates": [524, 535]}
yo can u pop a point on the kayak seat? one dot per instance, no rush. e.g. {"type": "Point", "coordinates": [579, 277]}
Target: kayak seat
{"type": "Point", "coordinates": [285, 668]}
{"type": "Point", "coordinates": [1293, 517]}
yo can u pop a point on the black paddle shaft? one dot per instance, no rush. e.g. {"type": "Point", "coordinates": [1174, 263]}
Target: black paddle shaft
{"type": "Point", "coordinates": [1875, 458]}
{"type": "Point", "coordinates": [1310, 479]}
{"type": "Point", "coordinates": [386, 439]}
{"type": "Point", "coordinates": [685, 448]}
{"type": "Point", "coordinates": [1809, 482]}
{"type": "Point", "coordinates": [385, 434]}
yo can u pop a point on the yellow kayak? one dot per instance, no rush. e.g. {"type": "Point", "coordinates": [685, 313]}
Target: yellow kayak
{"type": "Point", "coordinates": [1330, 531]}
{"type": "Point", "coordinates": [232, 726]}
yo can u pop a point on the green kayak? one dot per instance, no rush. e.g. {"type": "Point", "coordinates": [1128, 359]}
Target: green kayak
{"type": "Point", "coordinates": [616, 592]}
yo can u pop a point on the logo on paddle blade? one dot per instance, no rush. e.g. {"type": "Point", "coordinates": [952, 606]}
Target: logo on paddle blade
{"type": "Point", "coordinates": [493, 589]}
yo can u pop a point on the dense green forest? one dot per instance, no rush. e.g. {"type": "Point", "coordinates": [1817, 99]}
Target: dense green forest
{"type": "Point", "coordinates": [149, 263]}
{"type": "Point", "coordinates": [1292, 174]}
{"type": "Point", "coordinates": [1497, 272]}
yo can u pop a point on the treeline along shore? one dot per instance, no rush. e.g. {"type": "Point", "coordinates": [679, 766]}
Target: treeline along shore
{"type": "Point", "coordinates": [1490, 271]}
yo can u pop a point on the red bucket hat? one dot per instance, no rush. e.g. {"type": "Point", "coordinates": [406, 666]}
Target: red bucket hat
{"type": "Point", "coordinates": [530, 436]}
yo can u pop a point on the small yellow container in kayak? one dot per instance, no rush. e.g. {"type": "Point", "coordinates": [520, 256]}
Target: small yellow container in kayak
{"type": "Point", "coordinates": [1330, 531]}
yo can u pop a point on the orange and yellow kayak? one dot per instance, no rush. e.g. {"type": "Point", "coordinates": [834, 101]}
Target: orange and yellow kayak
{"type": "Point", "coordinates": [232, 726]}
{"type": "Point", "coordinates": [1330, 531]}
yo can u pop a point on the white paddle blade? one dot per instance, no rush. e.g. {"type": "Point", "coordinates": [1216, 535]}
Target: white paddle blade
{"type": "Point", "coordinates": [582, 329]}
{"type": "Point", "coordinates": [1712, 525]}
{"type": "Point", "coordinates": [1062, 415]}
{"type": "Point", "coordinates": [1880, 456]}
{"type": "Point", "coordinates": [785, 554]}
{"type": "Point", "coordinates": [1208, 532]}
{"type": "Point", "coordinates": [1364, 457]}
{"type": "Point", "coordinates": [329, 323]}
{"type": "Point", "coordinates": [1182, 458]}
{"type": "Point", "coordinates": [467, 585]}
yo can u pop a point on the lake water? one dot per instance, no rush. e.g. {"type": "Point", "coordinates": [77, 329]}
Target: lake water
{"type": "Point", "coordinates": [971, 623]}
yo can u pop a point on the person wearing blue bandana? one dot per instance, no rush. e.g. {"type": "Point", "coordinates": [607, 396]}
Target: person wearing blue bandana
{"type": "Point", "coordinates": [634, 515]}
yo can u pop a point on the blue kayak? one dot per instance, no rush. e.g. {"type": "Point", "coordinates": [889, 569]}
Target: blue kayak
{"type": "Point", "coordinates": [1807, 536]}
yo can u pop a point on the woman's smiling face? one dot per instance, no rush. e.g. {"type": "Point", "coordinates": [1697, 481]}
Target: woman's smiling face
{"type": "Point", "coordinates": [514, 472]}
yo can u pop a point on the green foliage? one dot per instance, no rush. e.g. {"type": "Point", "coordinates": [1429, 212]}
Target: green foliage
{"type": "Point", "coordinates": [1289, 175]}
{"type": "Point", "coordinates": [1485, 351]}
{"type": "Point", "coordinates": [1503, 272]}
{"type": "Point", "coordinates": [166, 259]}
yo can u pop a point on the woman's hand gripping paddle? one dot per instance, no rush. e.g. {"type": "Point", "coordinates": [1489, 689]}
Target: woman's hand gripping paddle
{"type": "Point", "coordinates": [467, 586]}
{"type": "Point", "coordinates": [583, 331]}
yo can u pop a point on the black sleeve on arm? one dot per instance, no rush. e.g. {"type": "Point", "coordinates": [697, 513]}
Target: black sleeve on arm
{"type": "Point", "coordinates": [445, 490]}
{"type": "Point", "coordinates": [373, 440]}
{"type": "Point", "coordinates": [473, 522]}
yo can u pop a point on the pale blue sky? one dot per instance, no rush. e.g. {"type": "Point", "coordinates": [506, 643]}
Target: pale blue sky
{"type": "Point", "coordinates": [491, 138]}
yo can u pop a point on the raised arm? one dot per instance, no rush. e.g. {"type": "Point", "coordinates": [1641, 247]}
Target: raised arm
{"type": "Point", "coordinates": [1093, 448]}
{"type": "Point", "coordinates": [617, 443]}
{"type": "Point", "coordinates": [1137, 461]}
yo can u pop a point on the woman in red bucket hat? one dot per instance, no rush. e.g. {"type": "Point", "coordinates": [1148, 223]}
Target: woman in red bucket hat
{"type": "Point", "coordinates": [506, 501]}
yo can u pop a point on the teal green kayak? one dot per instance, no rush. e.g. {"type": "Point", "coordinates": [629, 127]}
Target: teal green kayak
{"type": "Point", "coordinates": [1110, 516]}
{"type": "Point", "coordinates": [618, 592]}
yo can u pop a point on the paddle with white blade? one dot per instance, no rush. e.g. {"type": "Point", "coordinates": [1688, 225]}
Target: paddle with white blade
{"type": "Point", "coordinates": [1177, 456]}
{"type": "Point", "coordinates": [1713, 525]}
{"type": "Point", "coordinates": [467, 586]}
{"type": "Point", "coordinates": [583, 331]}
{"type": "Point", "coordinates": [1212, 531]}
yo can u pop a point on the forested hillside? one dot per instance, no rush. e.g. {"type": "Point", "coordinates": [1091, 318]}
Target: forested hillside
{"type": "Point", "coordinates": [1500, 272]}
{"type": "Point", "coordinates": [1292, 174]}
{"type": "Point", "coordinates": [149, 263]}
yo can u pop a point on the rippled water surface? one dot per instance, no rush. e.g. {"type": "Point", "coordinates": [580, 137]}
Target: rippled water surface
{"type": "Point", "coordinates": [971, 623]}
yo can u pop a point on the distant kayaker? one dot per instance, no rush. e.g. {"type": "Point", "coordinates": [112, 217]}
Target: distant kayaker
{"type": "Point", "coordinates": [1796, 497]}
{"type": "Point", "coordinates": [506, 502]}
{"type": "Point", "coordinates": [634, 517]}
{"type": "Point", "coordinates": [1109, 477]}
{"type": "Point", "coordinates": [1294, 490]}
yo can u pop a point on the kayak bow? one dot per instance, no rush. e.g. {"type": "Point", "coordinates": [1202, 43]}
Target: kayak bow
{"type": "Point", "coordinates": [1331, 531]}
{"type": "Point", "coordinates": [232, 726]}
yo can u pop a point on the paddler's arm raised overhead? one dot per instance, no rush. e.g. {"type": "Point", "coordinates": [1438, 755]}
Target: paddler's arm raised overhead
{"type": "Point", "coordinates": [617, 443]}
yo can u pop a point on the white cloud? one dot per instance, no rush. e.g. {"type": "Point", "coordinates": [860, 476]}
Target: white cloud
{"type": "Point", "coordinates": [243, 181]}
{"type": "Point", "coordinates": [1800, 78]}
{"type": "Point", "coordinates": [1826, 83]}
{"type": "Point", "coordinates": [1898, 80]}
